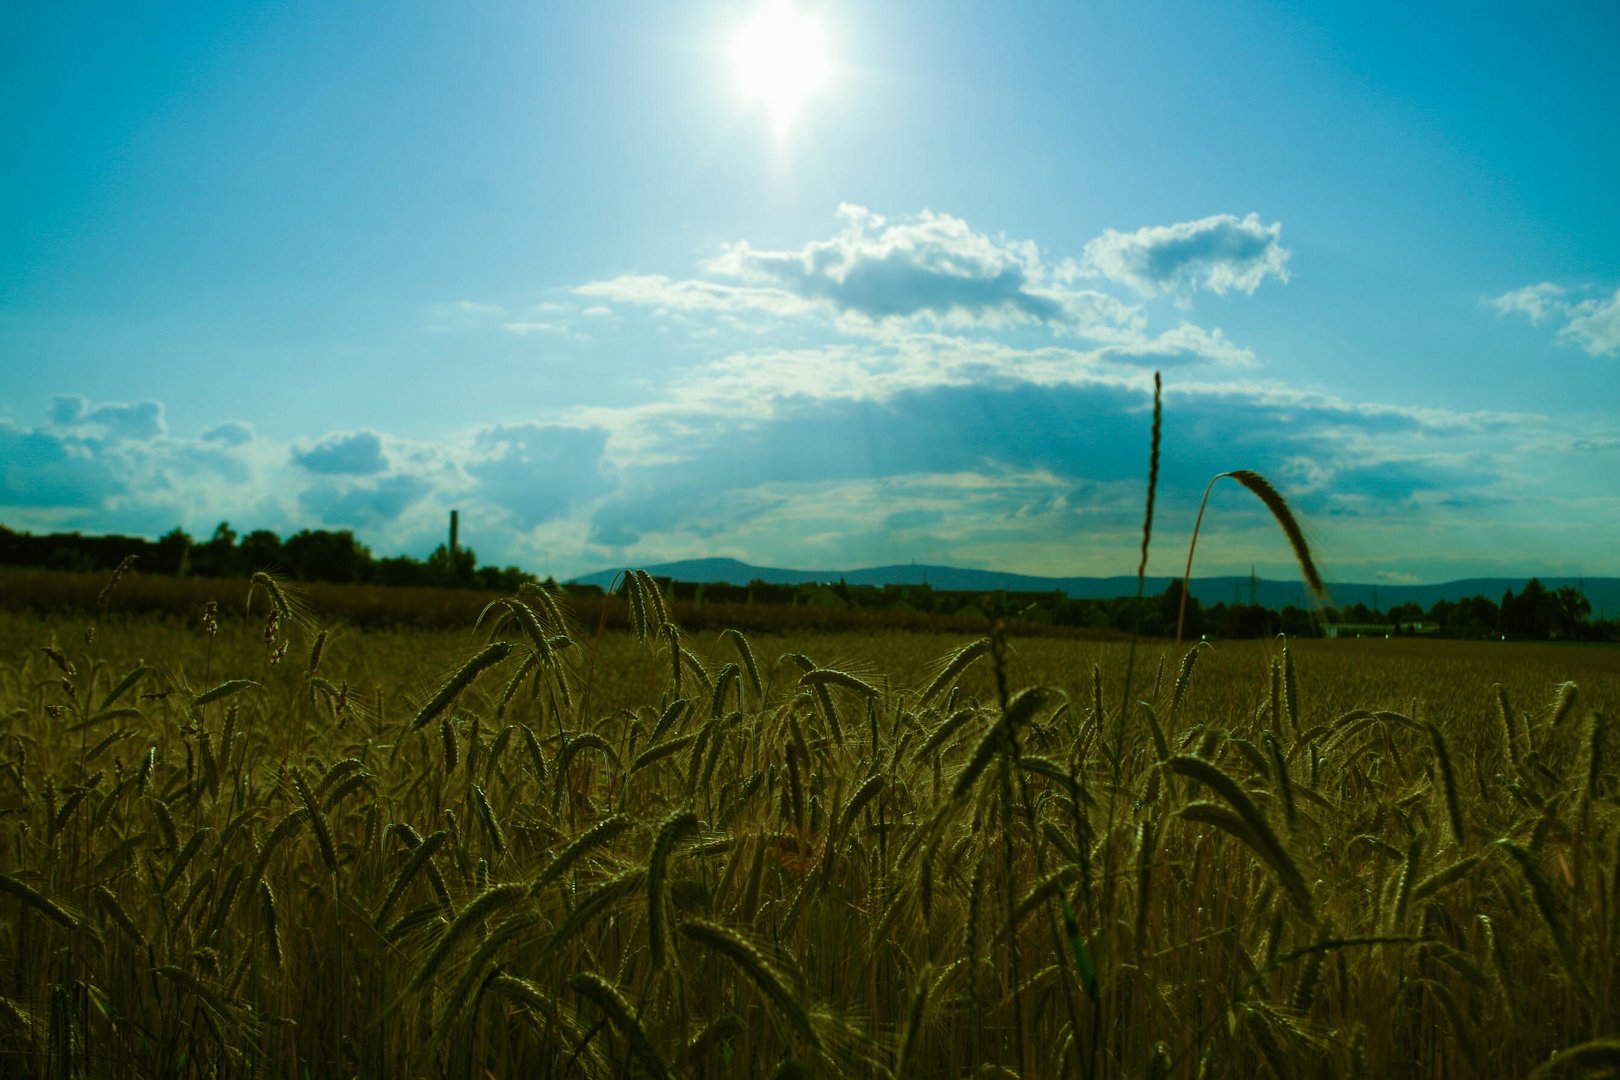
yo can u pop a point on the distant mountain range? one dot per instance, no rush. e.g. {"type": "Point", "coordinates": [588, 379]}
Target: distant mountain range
{"type": "Point", "coordinates": [1603, 592]}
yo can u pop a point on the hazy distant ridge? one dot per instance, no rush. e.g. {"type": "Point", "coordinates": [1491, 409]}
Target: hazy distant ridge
{"type": "Point", "coordinates": [1603, 592]}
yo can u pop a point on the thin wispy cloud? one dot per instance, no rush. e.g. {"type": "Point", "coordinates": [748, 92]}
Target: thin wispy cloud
{"type": "Point", "coordinates": [1591, 323]}
{"type": "Point", "coordinates": [1594, 325]}
{"type": "Point", "coordinates": [1534, 302]}
{"type": "Point", "coordinates": [666, 294]}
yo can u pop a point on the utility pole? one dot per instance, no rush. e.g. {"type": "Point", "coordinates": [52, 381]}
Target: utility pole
{"type": "Point", "coordinates": [454, 522]}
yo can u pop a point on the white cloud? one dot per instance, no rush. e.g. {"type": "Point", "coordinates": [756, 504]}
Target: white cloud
{"type": "Point", "coordinates": [140, 421]}
{"type": "Point", "coordinates": [535, 472]}
{"type": "Point", "coordinates": [1185, 344]}
{"type": "Point", "coordinates": [230, 433]}
{"type": "Point", "coordinates": [1592, 324]}
{"type": "Point", "coordinates": [69, 409]}
{"type": "Point", "coordinates": [669, 294]}
{"type": "Point", "coordinates": [460, 315]}
{"type": "Point", "coordinates": [1534, 301]}
{"type": "Point", "coordinates": [932, 265]}
{"type": "Point", "coordinates": [875, 274]}
{"type": "Point", "coordinates": [1220, 253]}
{"type": "Point", "coordinates": [359, 454]}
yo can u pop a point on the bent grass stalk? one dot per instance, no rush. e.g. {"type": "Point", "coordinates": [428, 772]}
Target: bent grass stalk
{"type": "Point", "coordinates": [1285, 519]}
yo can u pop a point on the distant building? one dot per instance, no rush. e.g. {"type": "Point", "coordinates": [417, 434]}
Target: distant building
{"type": "Point", "coordinates": [1375, 629]}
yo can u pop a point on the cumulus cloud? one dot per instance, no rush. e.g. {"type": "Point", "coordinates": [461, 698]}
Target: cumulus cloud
{"type": "Point", "coordinates": [359, 454]}
{"type": "Point", "coordinates": [137, 421]}
{"type": "Point", "coordinates": [1592, 323]}
{"type": "Point", "coordinates": [42, 469]}
{"type": "Point", "coordinates": [370, 502]}
{"type": "Point", "coordinates": [873, 273]}
{"type": "Point", "coordinates": [933, 265]}
{"type": "Point", "coordinates": [719, 472]}
{"type": "Point", "coordinates": [230, 433]}
{"type": "Point", "coordinates": [1221, 253]}
{"type": "Point", "coordinates": [537, 472]}
{"type": "Point", "coordinates": [68, 409]}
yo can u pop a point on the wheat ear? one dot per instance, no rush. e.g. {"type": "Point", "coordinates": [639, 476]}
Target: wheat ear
{"type": "Point", "coordinates": [767, 979]}
{"type": "Point", "coordinates": [612, 1003]}
{"type": "Point", "coordinates": [1285, 519]}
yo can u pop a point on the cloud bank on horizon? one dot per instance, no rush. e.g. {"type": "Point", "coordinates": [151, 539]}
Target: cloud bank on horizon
{"type": "Point", "coordinates": [906, 389]}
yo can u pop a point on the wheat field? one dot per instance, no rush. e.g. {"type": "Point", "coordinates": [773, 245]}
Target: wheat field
{"type": "Point", "coordinates": [270, 847]}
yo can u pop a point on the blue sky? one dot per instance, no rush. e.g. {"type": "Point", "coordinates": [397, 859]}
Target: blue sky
{"type": "Point", "coordinates": [350, 266]}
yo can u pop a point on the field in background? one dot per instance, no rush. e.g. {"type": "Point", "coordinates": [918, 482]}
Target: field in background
{"type": "Point", "coordinates": [69, 592]}
{"type": "Point", "coordinates": [408, 852]}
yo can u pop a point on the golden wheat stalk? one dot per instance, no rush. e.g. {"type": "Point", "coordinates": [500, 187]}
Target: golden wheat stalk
{"type": "Point", "coordinates": [1257, 832]}
{"type": "Point", "coordinates": [612, 1003]}
{"type": "Point", "coordinates": [481, 907]}
{"type": "Point", "coordinates": [490, 655]}
{"type": "Point", "coordinates": [676, 827]}
{"type": "Point", "coordinates": [748, 959]}
{"type": "Point", "coordinates": [1285, 519]}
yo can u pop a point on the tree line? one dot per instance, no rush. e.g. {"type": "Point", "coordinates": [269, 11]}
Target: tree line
{"type": "Point", "coordinates": [307, 555]}
{"type": "Point", "coordinates": [1533, 613]}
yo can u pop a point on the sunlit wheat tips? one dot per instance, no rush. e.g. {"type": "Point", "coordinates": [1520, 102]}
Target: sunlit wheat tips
{"type": "Point", "coordinates": [1510, 734]}
{"type": "Point", "coordinates": [1563, 703]}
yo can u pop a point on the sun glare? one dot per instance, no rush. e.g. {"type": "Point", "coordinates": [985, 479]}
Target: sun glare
{"type": "Point", "coordinates": [781, 59]}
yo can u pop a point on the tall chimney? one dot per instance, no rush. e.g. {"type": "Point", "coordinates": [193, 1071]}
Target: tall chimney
{"type": "Point", "coordinates": [453, 524]}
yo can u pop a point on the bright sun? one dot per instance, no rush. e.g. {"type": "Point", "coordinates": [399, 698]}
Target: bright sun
{"type": "Point", "coordinates": [781, 59]}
